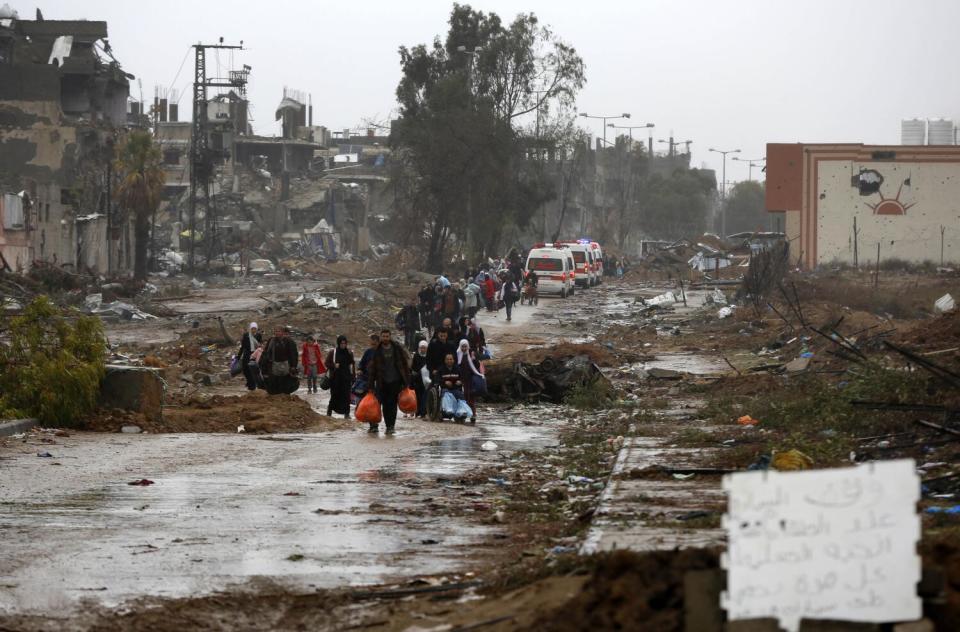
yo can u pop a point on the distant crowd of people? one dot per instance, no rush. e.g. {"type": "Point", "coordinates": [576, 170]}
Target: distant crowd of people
{"type": "Point", "coordinates": [450, 361]}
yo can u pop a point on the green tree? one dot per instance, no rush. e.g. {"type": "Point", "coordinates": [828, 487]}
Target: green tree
{"type": "Point", "coordinates": [746, 208]}
{"type": "Point", "coordinates": [141, 184]}
{"type": "Point", "coordinates": [459, 165]}
{"type": "Point", "coordinates": [51, 369]}
{"type": "Point", "coordinates": [676, 206]}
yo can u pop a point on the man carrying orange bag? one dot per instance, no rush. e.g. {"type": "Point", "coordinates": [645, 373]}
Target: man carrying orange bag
{"type": "Point", "coordinates": [389, 374]}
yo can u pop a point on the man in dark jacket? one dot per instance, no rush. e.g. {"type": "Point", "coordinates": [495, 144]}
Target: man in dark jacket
{"type": "Point", "coordinates": [437, 350]}
{"type": "Point", "coordinates": [278, 363]}
{"type": "Point", "coordinates": [427, 299]}
{"type": "Point", "coordinates": [389, 374]}
{"type": "Point", "coordinates": [408, 321]}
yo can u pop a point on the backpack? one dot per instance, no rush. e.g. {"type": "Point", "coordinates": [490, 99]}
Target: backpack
{"type": "Point", "coordinates": [278, 369]}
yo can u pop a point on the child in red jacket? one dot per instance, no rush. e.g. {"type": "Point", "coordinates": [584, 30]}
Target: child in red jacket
{"type": "Point", "coordinates": [312, 360]}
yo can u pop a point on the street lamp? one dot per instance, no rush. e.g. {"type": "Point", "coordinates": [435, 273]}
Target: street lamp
{"type": "Point", "coordinates": [752, 162]}
{"type": "Point", "coordinates": [625, 115]}
{"type": "Point", "coordinates": [673, 144]}
{"type": "Point", "coordinates": [723, 189]}
{"type": "Point", "coordinates": [630, 128]}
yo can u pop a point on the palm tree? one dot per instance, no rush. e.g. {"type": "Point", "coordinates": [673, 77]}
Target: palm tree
{"type": "Point", "coordinates": [142, 181]}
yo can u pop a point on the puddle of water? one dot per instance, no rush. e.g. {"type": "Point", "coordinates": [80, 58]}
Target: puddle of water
{"type": "Point", "coordinates": [692, 363]}
{"type": "Point", "coordinates": [522, 428]}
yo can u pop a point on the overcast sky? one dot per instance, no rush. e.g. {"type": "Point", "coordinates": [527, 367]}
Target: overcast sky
{"type": "Point", "coordinates": [725, 74]}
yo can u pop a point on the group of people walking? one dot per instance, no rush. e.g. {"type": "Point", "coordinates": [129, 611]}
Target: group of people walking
{"type": "Point", "coordinates": [385, 368]}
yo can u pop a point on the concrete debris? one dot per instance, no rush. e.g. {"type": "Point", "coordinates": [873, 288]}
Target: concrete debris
{"type": "Point", "coordinates": [314, 299]}
{"type": "Point", "coordinates": [261, 266]}
{"type": "Point", "coordinates": [944, 304]}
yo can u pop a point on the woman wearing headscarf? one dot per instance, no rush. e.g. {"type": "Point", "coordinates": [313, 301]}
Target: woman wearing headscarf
{"type": "Point", "coordinates": [468, 372]}
{"type": "Point", "coordinates": [477, 340]}
{"type": "Point", "coordinates": [342, 370]}
{"type": "Point", "coordinates": [416, 370]}
{"type": "Point", "coordinates": [248, 344]}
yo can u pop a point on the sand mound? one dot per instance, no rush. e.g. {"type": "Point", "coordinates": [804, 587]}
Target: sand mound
{"type": "Point", "coordinates": [257, 412]}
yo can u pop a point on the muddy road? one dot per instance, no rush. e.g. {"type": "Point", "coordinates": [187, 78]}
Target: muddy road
{"type": "Point", "coordinates": [300, 511]}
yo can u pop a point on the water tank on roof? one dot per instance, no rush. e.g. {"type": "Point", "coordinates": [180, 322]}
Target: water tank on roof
{"type": "Point", "coordinates": [940, 132]}
{"type": "Point", "coordinates": [913, 132]}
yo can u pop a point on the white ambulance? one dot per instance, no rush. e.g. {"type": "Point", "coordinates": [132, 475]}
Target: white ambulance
{"type": "Point", "coordinates": [554, 269]}
{"type": "Point", "coordinates": [585, 270]}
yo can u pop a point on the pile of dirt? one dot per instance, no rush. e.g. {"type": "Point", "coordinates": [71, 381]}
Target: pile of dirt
{"type": "Point", "coordinates": [942, 332]}
{"type": "Point", "coordinates": [630, 591]}
{"type": "Point", "coordinates": [257, 412]}
{"type": "Point", "coordinates": [600, 355]}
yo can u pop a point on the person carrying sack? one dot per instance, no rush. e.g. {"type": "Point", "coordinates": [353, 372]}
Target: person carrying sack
{"type": "Point", "coordinates": [389, 374]}
{"type": "Point", "coordinates": [278, 363]}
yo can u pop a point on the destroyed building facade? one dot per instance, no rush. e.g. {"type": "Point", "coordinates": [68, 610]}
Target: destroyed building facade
{"type": "Point", "coordinates": [63, 103]}
{"type": "Point", "coordinates": [841, 200]}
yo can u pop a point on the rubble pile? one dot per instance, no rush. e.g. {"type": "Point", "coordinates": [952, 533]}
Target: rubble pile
{"type": "Point", "coordinates": [552, 379]}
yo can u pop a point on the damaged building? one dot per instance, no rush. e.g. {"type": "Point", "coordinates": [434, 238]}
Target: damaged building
{"type": "Point", "coordinates": [63, 102]}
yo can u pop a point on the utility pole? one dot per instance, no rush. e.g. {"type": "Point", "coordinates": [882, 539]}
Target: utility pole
{"type": "Point", "coordinates": [723, 190]}
{"type": "Point", "coordinates": [856, 233]}
{"type": "Point", "coordinates": [201, 160]}
{"type": "Point", "coordinates": [942, 230]}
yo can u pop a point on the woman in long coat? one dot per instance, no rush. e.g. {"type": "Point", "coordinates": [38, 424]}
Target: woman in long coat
{"type": "Point", "coordinates": [342, 370]}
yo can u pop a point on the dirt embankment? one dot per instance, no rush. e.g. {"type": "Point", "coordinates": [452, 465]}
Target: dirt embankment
{"type": "Point", "coordinates": [257, 412]}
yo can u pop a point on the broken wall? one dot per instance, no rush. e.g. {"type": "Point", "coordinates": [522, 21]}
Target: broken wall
{"type": "Point", "coordinates": [900, 205]}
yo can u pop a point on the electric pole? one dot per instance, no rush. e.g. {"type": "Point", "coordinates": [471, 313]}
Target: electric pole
{"type": "Point", "coordinates": [201, 160]}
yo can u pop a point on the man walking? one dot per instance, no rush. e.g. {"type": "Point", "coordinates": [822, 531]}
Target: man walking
{"type": "Point", "coordinates": [389, 374]}
{"type": "Point", "coordinates": [408, 321]}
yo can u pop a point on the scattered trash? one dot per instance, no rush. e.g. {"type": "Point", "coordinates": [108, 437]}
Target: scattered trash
{"type": "Point", "coordinates": [93, 301]}
{"type": "Point", "coordinates": [562, 550]}
{"type": "Point", "coordinates": [45, 455]}
{"type": "Point", "coordinates": [944, 304]}
{"type": "Point", "coordinates": [143, 482]}
{"type": "Point", "coordinates": [241, 428]}
{"type": "Point", "coordinates": [292, 494]}
{"type": "Point", "coordinates": [579, 480]}
{"type": "Point", "coordinates": [314, 299]}
{"type": "Point", "coordinates": [719, 298]}
{"type": "Point", "coordinates": [762, 463]}
{"type": "Point", "coordinates": [488, 446]}
{"type": "Point", "coordinates": [295, 557]}
{"type": "Point", "coordinates": [726, 312]}
{"type": "Point", "coordinates": [791, 460]}
{"type": "Point", "coordinates": [502, 482]}
{"type": "Point", "coordinates": [197, 285]}
{"type": "Point", "coordinates": [429, 541]}
{"type": "Point", "coordinates": [683, 477]}
{"type": "Point", "coordinates": [693, 515]}
{"type": "Point", "coordinates": [131, 429]}
{"type": "Point", "coordinates": [943, 510]}
{"type": "Point", "coordinates": [668, 330]}
{"type": "Point", "coordinates": [747, 420]}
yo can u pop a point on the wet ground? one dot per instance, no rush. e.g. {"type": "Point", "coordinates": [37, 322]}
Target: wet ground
{"type": "Point", "coordinates": [302, 511]}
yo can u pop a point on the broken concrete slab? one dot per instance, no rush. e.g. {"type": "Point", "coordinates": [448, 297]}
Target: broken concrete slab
{"type": "Point", "coordinates": [655, 373]}
{"type": "Point", "coordinates": [797, 365]}
{"type": "Point", "coordinates": [136, 389]}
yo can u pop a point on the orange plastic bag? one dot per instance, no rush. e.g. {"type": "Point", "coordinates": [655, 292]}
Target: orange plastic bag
{"type": "Point", "coordinates": [747, 420]}
{"type": "Point", "coordinates": [368, 410]}
{"type": "Point", "coordinates": [407, 401]}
